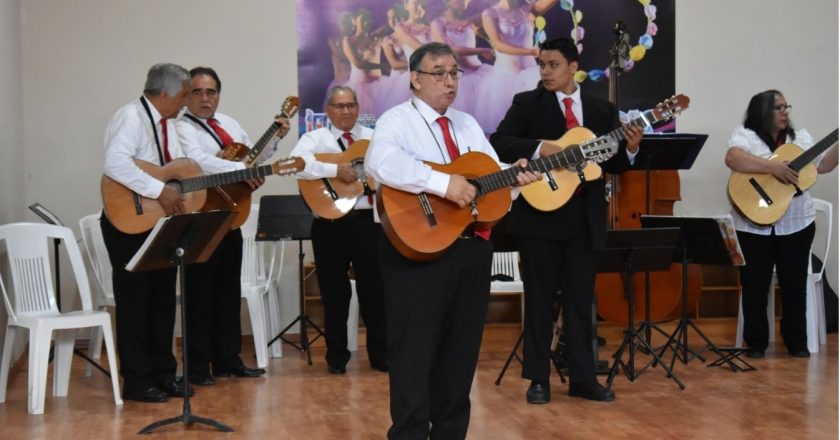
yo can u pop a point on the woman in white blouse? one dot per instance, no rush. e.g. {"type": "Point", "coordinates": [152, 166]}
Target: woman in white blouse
{"type": "Point", "coordinates": [785, 244]}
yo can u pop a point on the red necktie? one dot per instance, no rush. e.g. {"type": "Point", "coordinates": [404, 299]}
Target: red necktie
{"type": "Point", "coordinates": [223, 135]}
{"type": "Point", "coordinates": [571, 120]}
{"type": "Point", "coordinates": [348, 139]}
{"type": "Point", "coordinates": [166, 157]}
{"type": "Point", "coordinates": [451, 148]}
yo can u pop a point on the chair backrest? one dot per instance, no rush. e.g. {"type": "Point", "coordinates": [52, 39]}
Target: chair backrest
{"type": "Point", "coordinates": [823, 230]}
{"type": "Point", "coordinates": [506, 263]}
{"type": "Point", "coordinates": [31, 290]}
{"type": "Point", "coordinates": [256, 267]}
{"type": "Point", "coordinates": [98, 257]}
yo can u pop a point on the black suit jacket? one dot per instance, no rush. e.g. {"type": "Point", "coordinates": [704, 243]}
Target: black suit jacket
{"type": "Point", "coordinates": [536, 115]}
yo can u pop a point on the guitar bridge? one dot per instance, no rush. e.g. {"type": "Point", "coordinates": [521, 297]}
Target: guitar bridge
{"type": "Point", "coordinates": [427, 210]}
{"type": "Point", "coordinates": [330, 189]}
{"type": "Point", "coordinates": [581, 176]}
{"type": "Point", "coordinates": [138, 204]}
{"type": "Point", "coordinates": [757, 187]}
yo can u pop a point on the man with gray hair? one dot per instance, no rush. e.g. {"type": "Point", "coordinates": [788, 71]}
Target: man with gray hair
{"type": "Point", "coordinates": [144, 129]}
{"type": "Point", "coordinates": [348, 239]}
{"type": "Point", "coordinates": [435, 309]}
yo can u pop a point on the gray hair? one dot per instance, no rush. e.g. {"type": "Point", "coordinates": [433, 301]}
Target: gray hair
{"type": "Point", "coordinates": [433, 49]}
{"type": "Point", "coordinates": [165, 78]}
{"type": "Point", "coordinates": [333, 90]}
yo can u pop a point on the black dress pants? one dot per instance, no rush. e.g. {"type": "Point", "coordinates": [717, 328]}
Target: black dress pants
{"type": "Point", "coordinates": [214, 298]}
{"type": "Point", "coordinates": [436, 312]}
{"type": "Point", "coordinates": [350, 239]}
{"type": "Point", "coordinates": [145, 306]}
{"type": "Point", "coordinates": [789, 254]}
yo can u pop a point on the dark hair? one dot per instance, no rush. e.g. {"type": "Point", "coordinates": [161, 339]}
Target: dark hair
{"type": "Point", "coordinates": [759, 117]}
{"type": "Point", "coordinates": [196, 71]}
{"type": "Point", "coordinates": [434, 49]}
{"type": "Point", "coordinates": [563, 45]}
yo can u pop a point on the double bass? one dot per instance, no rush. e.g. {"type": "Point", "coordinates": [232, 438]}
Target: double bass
{"type": "Point", "coordinates": [629, 201]}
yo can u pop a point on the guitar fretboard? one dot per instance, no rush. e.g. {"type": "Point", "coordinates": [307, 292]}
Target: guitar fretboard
{"type": "Point", "coordinates": [258, 147]}
{"type": "Point", "coordinates": [812, 153]}
{"type": "Point", "coordinates": [213, 180]}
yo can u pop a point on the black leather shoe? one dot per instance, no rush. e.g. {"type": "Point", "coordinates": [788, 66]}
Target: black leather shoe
{"type": "Point", "coordinates": [151, 394]}
{"type": "Point", "coordinates": [799, 353]}
{"type": "Point", "coordinates": [596, 392]}
{"type": "Point", "coordinates": [336, 370]}
{"type": "Point", "coordinates": [240, 371]}
{"type": "Point", "coordinates": [755, 353]}
{"type": "Point", "coordinates": [201, 379]}
{"type": "Point", "coordinates": [380, 366]}
{"type": "Point", "coordinates": [538, 393]}
{"type": "Point", "coordinates": [175, 388]}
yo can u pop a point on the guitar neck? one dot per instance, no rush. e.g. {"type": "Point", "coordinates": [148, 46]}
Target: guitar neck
{"type": "Point", "coordinates": [812, 153]}
{"type": "Point", "coordinates": [213, 180]}
{"type": "Point", "coordinates": [259, 146]}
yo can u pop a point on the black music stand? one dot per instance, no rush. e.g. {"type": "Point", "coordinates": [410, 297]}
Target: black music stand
{"type": "Point", "coordinates": [629, 251]}
{"type": "Point", "coordinates": [52, 219]}
{"type": "Point", "coordinates": [288, 218]}
{"type": "Point", "coordinates": [663, 151]}
{"type": "Point", "coordinates": [177, 241]}
{"type": "Point", "coordinates": [703, 240]}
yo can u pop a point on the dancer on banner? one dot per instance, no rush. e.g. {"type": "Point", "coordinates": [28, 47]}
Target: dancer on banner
{"type": "Point", "coordinates": [435, 309]}
{"type": "Point", "coordinates": [363, 52]}
{"type": "Point", "coordinates": [411, 34]}
{"type": "Point", "coordinates": [785, 245]}
{"type": "Point", "coordinates": [454, 29]}
{"type": "Point", "coordinates": [392, 89]}
{"type": "Point", "coordinates": [509, 25]}
{"type": "Point", "coordinates": [340, 64]}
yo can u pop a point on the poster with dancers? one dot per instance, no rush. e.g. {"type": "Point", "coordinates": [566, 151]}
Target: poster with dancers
{"type": "Point", "coordinates": [366, 44]}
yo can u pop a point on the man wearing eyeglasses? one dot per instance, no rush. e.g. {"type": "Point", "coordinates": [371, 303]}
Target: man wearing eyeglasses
{"type": "Point", "coordinates": [435, 309]}
{"type": "Point", "coordinates": [214, 328]}
{"type": "Point", "coordinates": [349, 239]}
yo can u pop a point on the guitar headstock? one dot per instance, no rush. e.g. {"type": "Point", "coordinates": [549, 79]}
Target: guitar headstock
{"type": "Point", "coordinates": [670, 107]}
{"type": "Point", "coordinates": [599, 149]}
{"type": "Point", "coordinates": [290, 107]}
{"type": "Point", "coordinates": [288, 166]}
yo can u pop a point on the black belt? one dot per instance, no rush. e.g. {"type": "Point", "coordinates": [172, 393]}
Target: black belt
{"type": "Point", "coordinates": [354, 213]}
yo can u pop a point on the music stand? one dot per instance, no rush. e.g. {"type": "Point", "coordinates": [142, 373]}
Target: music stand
{"type": "Point", "coordinates": [663, 151]}
{"type": "Point", "coordinates": [629, 251]}
{"type": "Point", "coordinates": [177, 241]}
{"type": "Point", "coordinates": [53, 219]}
{"type": "Point", "coordinates": [703, 240]}
{"type": "Point", "coordinates": [288, 218]}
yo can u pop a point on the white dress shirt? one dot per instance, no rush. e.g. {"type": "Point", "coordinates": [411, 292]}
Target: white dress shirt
{"type": "Point", "coordinates": [326, 140]}
{"type": "Point", "coordinates": [130, 136]}
{"type": "Point", "coordinates": [408, 134]}
{"type": "Point", "coordinates": [202, 147]}
{"type": "Point", "coordinates": [800, 213]}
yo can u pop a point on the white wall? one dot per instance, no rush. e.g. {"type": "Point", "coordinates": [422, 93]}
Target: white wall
{"type": "Point", "coordinates": [82, 59]}
{"type": "Point", "coordinates": [11, 114]}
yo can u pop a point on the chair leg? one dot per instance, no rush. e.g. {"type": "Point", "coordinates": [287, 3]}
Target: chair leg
{"type": "Point", "coordinates": [739, 333]}
{"type": "Point", "coordinates": [256, 310]}
{"type": "Point", "coordinates": [353, 320]}
{"type": "Point", "coordinates": [94, 346]}
{"type": "Point", "coordinates": [811, 325]}
{"type": "Point", "coordinates": [771, 311]}
{"type": "Point", "coordinates": [112, 360]}
{"type": "Point", "coordinates": [8, 347]}
{"type": "Point", "coordinates": [39, 353]}
{"type": "Point", "coordinates": [818, 291]}
{"type": "Point", "coordinates": [274, 323]}
{"type": "Point", "coordinates": [65, 340]}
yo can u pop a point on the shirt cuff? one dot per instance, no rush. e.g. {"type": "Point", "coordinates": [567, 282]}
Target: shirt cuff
{"type": "Point", "coordinates": [438, 183]}
{"type": "Point", "coordinates": [631, 157]}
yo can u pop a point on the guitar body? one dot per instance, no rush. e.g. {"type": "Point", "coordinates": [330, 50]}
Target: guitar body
{"type": "Point", "coordinates": [411, 231]}
{"type": "Point", "coordinates": [749, 201]}
{"type": "Point", "coordinates": [330, 198]}
{"type": "Point", "coordinates": [134, 214]}
{"type": "Point", "coordinates": [234, 197]}
{"type": "Point", "coordinates": [540, 194]}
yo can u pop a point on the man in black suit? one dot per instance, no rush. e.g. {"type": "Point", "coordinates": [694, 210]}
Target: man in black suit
{"type": "Point", "coordinates": [559, 249]}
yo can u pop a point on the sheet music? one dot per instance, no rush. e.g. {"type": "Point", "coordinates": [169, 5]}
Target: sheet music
{"type": "Point", "coordinates": [149, 240]}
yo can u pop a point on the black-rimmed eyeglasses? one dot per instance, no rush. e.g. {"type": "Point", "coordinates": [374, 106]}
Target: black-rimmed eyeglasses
{"type": "Point", "coordinates": [783, 107]}
{"type": "Point", "coordinates": [439, 76]}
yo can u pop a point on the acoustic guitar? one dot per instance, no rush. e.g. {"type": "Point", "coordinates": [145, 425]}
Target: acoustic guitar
{"type": "Point", "coordinates": [132, 213]}
{"type": "Point", "coordinates": [331, 198]}
{"type": "Point", "coordinates": [236, 197]}
{"type": "Point", "coordinates": [762, 198]}
{"type": "Point", "coordinates": [558, 186]}
{"type": "Point", "coordinates": [422, 226]}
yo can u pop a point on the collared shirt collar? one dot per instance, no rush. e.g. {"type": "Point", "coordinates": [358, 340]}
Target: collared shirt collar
{"type": "Point", "coordinates": [355, 131]}
{"type": "Point", "coordinates": [575, 96]}
{"type": "Point", "coordinates": [427, 112]}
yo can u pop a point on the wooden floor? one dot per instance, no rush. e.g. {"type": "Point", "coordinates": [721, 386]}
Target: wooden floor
{"type": "Point", "coordinates": [785, 398]}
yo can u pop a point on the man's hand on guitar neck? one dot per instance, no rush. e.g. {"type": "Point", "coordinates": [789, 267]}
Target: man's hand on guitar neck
{"type": "Point", "coordinates": [633, 136]}
{"type": "Point", "coordinates": [346, 173]}
{"type": "Point", "coordinates": [459, 190]}
{"type": "Point", "coordinates": [525, 177]}
{"type": "Point", "coordinates": [284, 126]}
{"type": "Point", "coordinates": [171, 201]}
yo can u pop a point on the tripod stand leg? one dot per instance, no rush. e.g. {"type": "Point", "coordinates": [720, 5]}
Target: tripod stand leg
{"type": "Point", "coordinates": [513, 353]}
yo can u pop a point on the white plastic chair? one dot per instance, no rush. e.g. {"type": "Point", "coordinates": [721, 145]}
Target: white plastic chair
{"type": "Point", "coordinates": [814, 302]}
{"type": "Point", "coordinates": [30, 303]}
{"type": "Point", "coordinates": [507, 263]}
{"type": "Point", "coordinates": [103, 284]}
{"type": "Point", "coordinates": [353, 319]}
{"type": "Point", "coordinates": [258, 281]}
